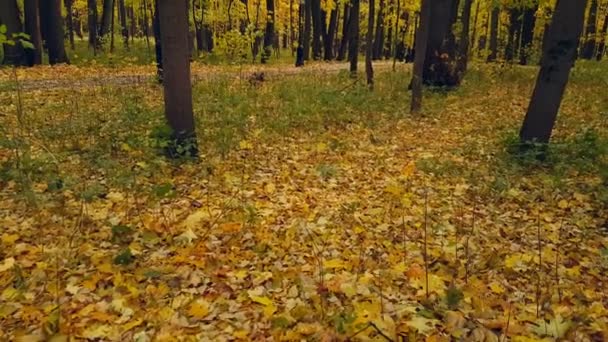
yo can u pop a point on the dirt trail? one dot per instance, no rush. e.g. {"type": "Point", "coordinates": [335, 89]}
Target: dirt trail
{"type": "Point", "coordinates": [74, 77]}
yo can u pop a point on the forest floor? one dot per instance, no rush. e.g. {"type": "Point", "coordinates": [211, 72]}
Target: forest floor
{"type": "Point", "coordinates": [318, 210]}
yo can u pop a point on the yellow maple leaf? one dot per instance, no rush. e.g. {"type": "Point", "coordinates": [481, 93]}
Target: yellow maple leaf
{"type": "Point", "coordinates": [7, 264]}
{"type": "Point", "coordinates": [333, 263]}
{"type": "Point", "coordinates": [9, 239]}
{"type": "Point", "coordinates": [497, 288]}
{"type": "Point", "coordinates": [199, 309]}
{"type": "Point", "coordinates": [245, 145]}
{"type": "Point", "coordinates": [408, 170]}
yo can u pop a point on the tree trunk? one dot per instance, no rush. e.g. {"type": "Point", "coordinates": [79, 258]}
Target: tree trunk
{"type": "Point", "coordinates": [514, 29]}
{"type": "Point", "coordinates": [527, 34]}
{"type": "Point", "coordinates": [52, 25]}
{"type": "Point", "coordinates": [9, 16]}
{"type": "Point", "coordinates": [177, 85]}
{"type": "Point", "coordinates": [369, 48]}
{"type": "Point", "coordinates": [474, 34]}
{"type": "Point", "coordinates": [307, 28]}
{"type": "Point", "coordinates": [495, 17]}
{"type": "Point", "coordinates": [379, 35]}
{"type": "Point", "coordinates": [422, 37]}
{"type": "Point", "coordinates": [92, 19]}
{"type": "Point", "coordinates": [122, 10]}
{"type": "Point", "coordinates": [395, 41]}
{"type": "Point", "coordinates": [589, 45]}
{"type": "Point", "coordinates": [440, 69]}
{"type": "Point", "coordinates": [557, 60]}
{"type": "Point", "coordinates": [317, 28]}
{"type": "Point", "coordinates": [269, 33]}
{"type": "Point", "coordinates": [69, 17]}
{"type": "Point", "coordinates": [112, 27]}
{"type": "Point", "coordinates": [331, 33]}
{"type": "Point", "coordinates": [106, 17]}
{"type": "Point", "coordinates": [601, 47]}
{"type": "Point", "coordinates": [32, 28]}
{"type": "Point", "coordinates": [463, 46]}
{"type": "Point", "coordinates": [345, 29]}
{"type": "Point", "coordinates": [146, 26]}
{"type": "Point", "coordinates": [353, 34]}
{"type": "Point", "coordinates": [157, 40]}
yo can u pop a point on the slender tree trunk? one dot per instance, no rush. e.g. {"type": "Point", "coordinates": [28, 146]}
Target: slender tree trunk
{"type": "Point", "coordinates": [601, 47]}
{"type": "Point", "coordinates": [123, 22]}
{"type": "Point", "coordinates": [52, 24]}
{"type": "Point", "coordinates": [495, 17]}
{"type": "Point", "coordinates": [157, 40]}
{"type": "Point", "coordinates": [112, 27]}
{"type": "Point", "coordinates": [369, 48]}
{"type": "Point", "coordinates": [177, 85]}
{"type": "Point", "coordinates": [474, 34]}
{"type": "Point", "coordinates": [463, 47]}
{"type": "Point", "coordinates": [396, 39]}
{"type": "Point", "coordinates": [353, 34]}
{"type": "Point", "coordinates": [269, 33]}
{"type": "Point", "coordinates": [146, 26]}
{"type": "Point", "coordinates": [514, 29]}
{"type": "Point", "coordinates": [588, 49]}
{"type": "Point", "coordinates": [9, 16]}
{"type": "Point", "coordinates": [379, 35]}
{"type": "Point", "coordinates": [92, 24]}
{"type": "Point", "coordinates": [527, 34]}
{"type": "Point", "coordinates": [558, 58]}
{"type": "Point", "coordinates": [328, 38]}
{"type": "Point", "coordinates": [345, 29]}
{"type": "Point", "coordinates": [69, 17]}
{"type": "Point", "coordinates": [32, 28]}
{"type": "Point", "coordinates": [422, 37]}
{"type": "Point", "coordinates": [106, 17]}
{"type": "Point", "coordinates": [292, 33]}
{"type": "Point", "coordinates": [307, 28]}
{"type": "Point", "coordinates": [317, 28]}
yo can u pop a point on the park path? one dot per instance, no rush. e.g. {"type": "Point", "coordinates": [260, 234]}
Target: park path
{"type": "Point", "coordinates": [70, 77]}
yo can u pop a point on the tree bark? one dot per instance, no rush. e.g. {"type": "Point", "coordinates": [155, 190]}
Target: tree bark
{"type": "Point", "coordinates": [122, 10]}
{"type": "Point", "coordinates": [527, 33]}
{"type": "Point", "coordinates": [369, 48]}
{"type": "Point", "coordinates": [52, 25]}
{"type": "Point", "coordinates": [92, 21]}
{"type": "Point", "coordinates": [69, 17]}
{"type": "Point", "coordinates": [514, 31]}
{"type": "Point", "coordinates": [589, 45]}
{"type": "Point", "coordinates": [9, 16]}
{"type": "Point", "coordinates": [328, 40]}
{"type": "Point", "coordinates": [307, 28]}
{"type": "Point", "coordinates": [379, 35]}
{"type": "Point", "coordinates": [345, 29]}
{"type": "Point", "coordinates": [157, 41]}
{"type": "Point", "coordinates": [495, 17]}
{"type": "Point", "coordinates": [463, 46]}
{"type": "Point", "coordinates": [317, 28]}
{"type": "Point", "coordinates": [440, 66]}
{"type": "Point", "coordinates": [557, 60]}
{"type": "Point", "coordinates": [353, 34]}
{"type": "Point", "coordinates": [106, 17]}
{"type": "Point", "coordinates": [269, 33]}
{"type": "Point", "coordinates": [32, 28]}
{"type": "Point", "coordinates": [474, 33]}
{"type": "Point", "coordinates": [177, 85]}
{"type": "Point", "coordinates": [422, 37]}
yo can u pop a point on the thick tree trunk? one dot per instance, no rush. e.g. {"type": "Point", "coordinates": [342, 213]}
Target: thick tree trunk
{"type": "Point", "coordinates": [353, 34]}
{"type": "Point", "coordinates": [589, 45]}
{"type": "Point", "coordinates": [177, 85]}
{"type": "Point", "coordinates": [440, 66]}
{"type": "Point", "coordinates": [558, 58]}
{"type": "Point", "coordinates": [269, 33]}
{"type": "Point", "coordinates": [69, 18]}
{"type": "Point", "coordinates": [328, 40]}
{"type": "Point", "coordinates": [92, 21]}
{"type": "Point", "coordinates": [52, 25]}
{"type": "Point", "coordinates": [9, 16]}
{"type": "Point", "coordinates": [527, 34]}
{"type": "Point", "coordinates": [379, 35]}
{"type": "Point", "coordinates": [106, 17]}
{"type": "Point", "coordinates": [601, 47]}
{"type": "Point", "coordinates": [421, 43]}
{"type": "Point", "coordinates": [495, 17]}
{"type": "Point", "coordinates": [307, 28]}
{"type": "Point", "coordinates": [32, 28]}
{"type": "Point", "coordinates": [369, 47]}
{"type": "Point", "coordinates": [345, 29]}
{"type": "Point", "coordinates": [317, 28]}
{"type": "Point", "coordinates": [122, 10]}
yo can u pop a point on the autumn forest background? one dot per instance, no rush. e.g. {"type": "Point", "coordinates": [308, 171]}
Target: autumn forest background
{"type": "Point", "coordinates": [314, 170]}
